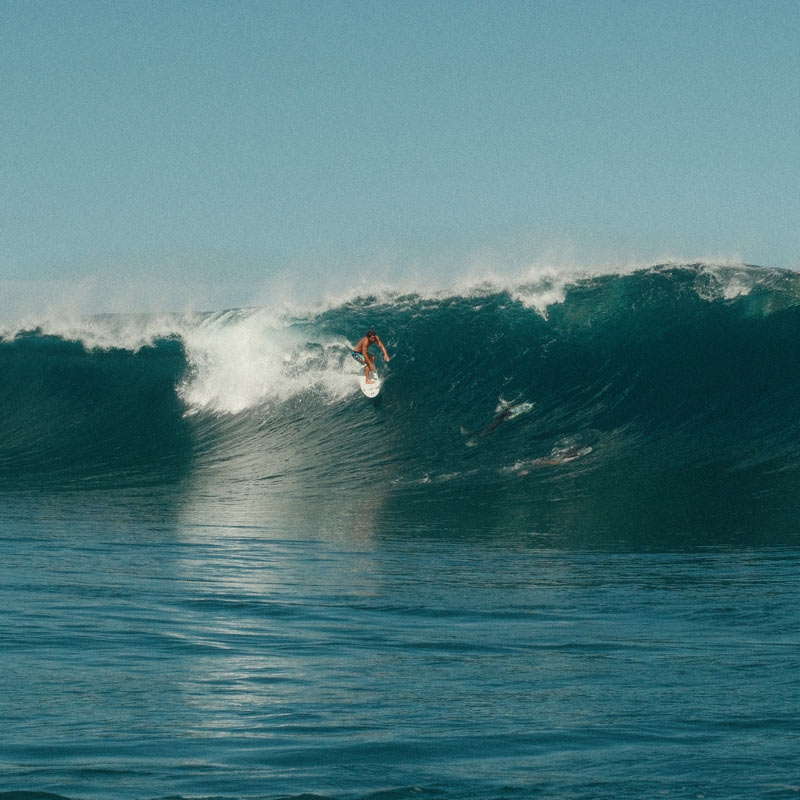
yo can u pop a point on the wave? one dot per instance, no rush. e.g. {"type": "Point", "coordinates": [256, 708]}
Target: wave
{"type": "Point", "coordinates": [670, 379]}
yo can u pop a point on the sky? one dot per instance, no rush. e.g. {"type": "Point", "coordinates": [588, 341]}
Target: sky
{"type": "Point", "coordinates": [199, 152]}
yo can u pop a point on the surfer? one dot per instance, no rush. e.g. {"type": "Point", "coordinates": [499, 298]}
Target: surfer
{"type": "Point", "coordinates": [504, 411]}
{"type": "Point", "coordinates": [507, 409]}
{"type": "Point", "coordinates": [362, 355]}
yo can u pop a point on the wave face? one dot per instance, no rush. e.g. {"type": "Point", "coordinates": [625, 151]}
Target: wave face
{"type": "Point", "coordinates": [662, 403]}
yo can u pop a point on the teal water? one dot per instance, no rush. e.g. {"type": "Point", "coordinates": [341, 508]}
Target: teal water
{"type": "Point", "coordinates": [570, 572]}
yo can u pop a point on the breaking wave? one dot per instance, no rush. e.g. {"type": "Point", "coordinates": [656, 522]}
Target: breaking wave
{"type": "Point", "coordinates": [663, 392]}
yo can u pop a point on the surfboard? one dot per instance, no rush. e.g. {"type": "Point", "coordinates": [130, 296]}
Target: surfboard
{"type": "Point", "coordinates": [370, 389]}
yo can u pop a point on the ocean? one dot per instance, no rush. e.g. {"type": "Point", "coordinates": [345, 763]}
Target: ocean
{"type": "Point", "coordinates": [557, 557]}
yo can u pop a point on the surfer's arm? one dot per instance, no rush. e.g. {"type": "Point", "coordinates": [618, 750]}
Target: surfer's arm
{"type": "Point", "coordinates": [383, 349]}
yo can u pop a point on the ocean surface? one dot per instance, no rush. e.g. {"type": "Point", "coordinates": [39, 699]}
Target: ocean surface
{"type": "Point", "coordinates": [557, 557]}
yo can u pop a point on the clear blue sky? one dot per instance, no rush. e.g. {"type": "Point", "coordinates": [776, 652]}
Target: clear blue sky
{"type": "Point", "coordinates": [222, 142]}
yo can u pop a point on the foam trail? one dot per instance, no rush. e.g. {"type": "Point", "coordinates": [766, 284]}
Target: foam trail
{"type": "Point", "coordinates": [241, 359]}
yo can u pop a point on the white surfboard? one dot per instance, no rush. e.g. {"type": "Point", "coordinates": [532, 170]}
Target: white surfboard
{"type": "Point", "coordinates": [370, 389]}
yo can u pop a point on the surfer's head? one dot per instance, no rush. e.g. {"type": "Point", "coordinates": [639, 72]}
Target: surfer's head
{"type": "Point", "coordinates": [372, 336]}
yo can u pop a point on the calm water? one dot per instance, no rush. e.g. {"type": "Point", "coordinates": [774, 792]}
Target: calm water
{"type": "Point", "coordinates": [196, 659]}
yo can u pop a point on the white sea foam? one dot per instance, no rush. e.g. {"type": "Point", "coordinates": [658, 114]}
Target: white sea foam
{"type": "Point", "coordinates": [726, 281]}
{"type": "Point", "coordinates": [240, 360]}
